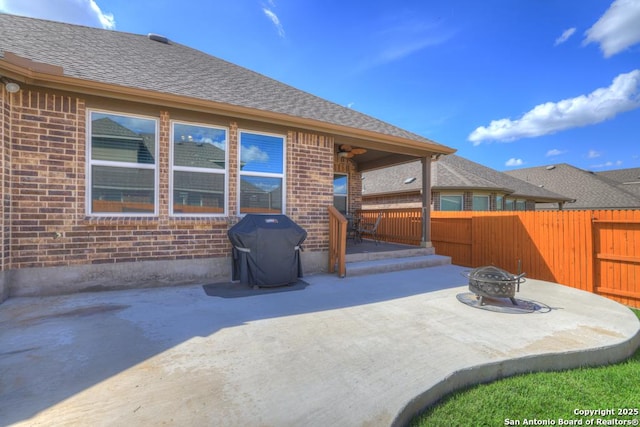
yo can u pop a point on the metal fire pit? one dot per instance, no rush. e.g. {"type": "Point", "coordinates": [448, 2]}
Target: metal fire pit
{"type": "Point", "coordinates": [493, 282]}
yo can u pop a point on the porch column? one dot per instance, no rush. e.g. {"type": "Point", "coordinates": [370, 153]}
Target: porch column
{"type": "Point", "coordinates": [426, 203]}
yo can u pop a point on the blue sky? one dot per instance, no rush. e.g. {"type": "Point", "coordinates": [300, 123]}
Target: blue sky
{"type": "Point", "coordinates": [508, 84]}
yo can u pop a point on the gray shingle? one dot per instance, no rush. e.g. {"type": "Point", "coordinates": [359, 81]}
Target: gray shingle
{"type": "Point", "coordinates": [454, 173]}
{"type": "Point", "coordinates": [590, 190]}
{"type": "Point", "coordinates": [136, 61]}
{"type": "Point", "coordinates": [626, 179]}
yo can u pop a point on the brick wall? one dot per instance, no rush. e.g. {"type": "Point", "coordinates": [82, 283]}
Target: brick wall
{"type": "Point", "coordinates": [403, 200]}
{"type": "Point", "coordinates": [46, 166]}
{"type": "Point", "coordinates": [467, 201]}
{"type": "Point", "coordinates": [46, 192]}
{"type": "Point", "coordinates": [5, 143]}
{"type": "Point", "coordinates": [310, 185]}
{"type": "Point", "coordinates": [435, 197]}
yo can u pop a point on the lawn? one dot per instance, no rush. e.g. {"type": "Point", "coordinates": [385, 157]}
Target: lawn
{"type": "Point", "coordinates": [546, 398]}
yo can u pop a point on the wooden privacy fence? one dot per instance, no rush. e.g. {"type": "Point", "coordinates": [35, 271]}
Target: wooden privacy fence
{"type": "Point", "coordinates": [397, 225]}
{"type": "Point", "coordinates": [593, 250]}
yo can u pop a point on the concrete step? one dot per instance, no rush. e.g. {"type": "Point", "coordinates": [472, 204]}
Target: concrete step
{"type": "Point", "coordinates": [373, 254]}
{"type": "Point", "coordinates": [394, 263]}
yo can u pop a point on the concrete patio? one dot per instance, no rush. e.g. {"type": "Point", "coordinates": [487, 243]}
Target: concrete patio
{"type": "Point", "coordinates": [361, 351]}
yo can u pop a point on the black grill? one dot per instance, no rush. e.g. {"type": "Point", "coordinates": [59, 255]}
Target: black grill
{"type": "Point", "coordinates": [266, 250]}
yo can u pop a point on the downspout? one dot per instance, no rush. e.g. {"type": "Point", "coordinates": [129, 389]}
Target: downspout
{"type": "Point", "coordinates": [425, 241]}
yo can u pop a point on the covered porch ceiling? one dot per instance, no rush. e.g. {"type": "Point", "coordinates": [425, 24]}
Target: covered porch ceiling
{"type": "Point", "coordinates": [381, 155]}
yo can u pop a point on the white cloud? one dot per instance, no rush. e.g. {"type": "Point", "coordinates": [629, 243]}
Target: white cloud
{"type": "Point", "coordinates": [274, 18]}
{"type": "Point", "coordinates": [554, 152]}
{"type": "Point", "coordinates": [544, 119]}
{"type": "Point", "coordinates": [617, 163]}
{"type": "Point", "coordinates": [617, 29]}
{"type": "Point", "coordinates": [593, 154]}
{"type": "Point", "coordinates": [402, 35]}
{"type": "Point", "coordinates": [409, 47]}
{"type": "Point", "coordinates": [514, 162]}
{"type": "Point", "coordinates": [82, 12]}
{"type": "Point", "coordinates": [254, 154]}
{"type": "Point", "coordinates": [565, 36]}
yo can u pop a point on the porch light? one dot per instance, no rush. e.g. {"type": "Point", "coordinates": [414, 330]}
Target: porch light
{"type": "Point", "coordinates": [12, 87]}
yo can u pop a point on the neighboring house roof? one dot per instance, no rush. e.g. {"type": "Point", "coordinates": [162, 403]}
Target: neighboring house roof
{"type": "Point", "coordinates": [108, 128]}
{"type": "Point", "coordinates": [77, 57]}
{"type": "Point", "coordinates": [452, 173]}
{"type": "Point", "coordinates": [627, 179]}
{"type": "Point", "coordinates": [590, 190]}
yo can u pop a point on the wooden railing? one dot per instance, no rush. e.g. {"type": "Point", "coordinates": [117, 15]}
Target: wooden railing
{"type": "Point", "coordinates": [337, 242]}
{"type": "Point", "coordinates": [397, 225]}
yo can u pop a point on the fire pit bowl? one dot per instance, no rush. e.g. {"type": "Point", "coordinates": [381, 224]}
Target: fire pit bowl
{"type": "Point", "coordinates": [493, 282]}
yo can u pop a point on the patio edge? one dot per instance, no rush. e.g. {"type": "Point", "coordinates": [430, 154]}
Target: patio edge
{"type": "Point", "coordinates": [481, 374]}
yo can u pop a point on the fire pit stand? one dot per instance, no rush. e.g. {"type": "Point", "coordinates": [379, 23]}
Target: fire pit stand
{"type": "Point", "coordinates": [493, 282]}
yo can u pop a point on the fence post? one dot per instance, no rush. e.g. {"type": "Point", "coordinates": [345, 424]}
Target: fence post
{"type": "Point", "coordinates": [425, 241]}
{"type": "Point", "coordinates": [591, 256]}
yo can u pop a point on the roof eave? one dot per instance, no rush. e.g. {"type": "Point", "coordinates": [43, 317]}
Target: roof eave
{"type": "Point", "coordinates": [542, 199]}
{"type": "Point", "coordinates": [470, 188]}
{"type": "Point", "coordinates": [391, 193]}
{"type": "Point", "coordinates": [54, 79]}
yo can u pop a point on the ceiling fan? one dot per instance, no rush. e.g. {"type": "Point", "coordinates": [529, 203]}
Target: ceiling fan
{"type": "Point", "coordinates": [348, 151]}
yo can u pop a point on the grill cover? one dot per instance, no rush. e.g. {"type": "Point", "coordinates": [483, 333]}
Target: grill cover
{"type": "Point", "coordinates": [266, 250]}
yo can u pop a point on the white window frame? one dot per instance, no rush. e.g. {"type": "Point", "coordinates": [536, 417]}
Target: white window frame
{"type": "Point", "coordinates": [282, 175]}
{"type": "Point", "coordinates": [90, 163]}
{"type": "Point", "coordinates": [173, 168]}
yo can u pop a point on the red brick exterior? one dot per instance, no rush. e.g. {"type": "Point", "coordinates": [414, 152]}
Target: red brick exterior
{"type": "Point", "coordinates": [310, 185]}
{"type": "Point", "coordinates": [45, 222]}
{"type": "Point", "coordinates": [5, 144]}
{"type": "Point", "coordinates": [408, 200]}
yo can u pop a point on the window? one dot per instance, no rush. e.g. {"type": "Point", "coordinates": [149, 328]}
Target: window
{"type": "Point", "coordinates": [480, 203]}
{"type": "Point", "coordinates": [450, 203]}
{"type": "Point", "coordinates": [122, 175]}
{"type": "Point", "coordinates": [261, 173]}
{"type": "Point", "coordinates": [340, 192]}
{"type": "Point", "coordinates": [521, 205]}
{"type": "Point", "coordinates": [199, 162]}
{"type": "Point", "coordinates": [499, 203]}
{"type": "Point", "coordinates": [509, 204]}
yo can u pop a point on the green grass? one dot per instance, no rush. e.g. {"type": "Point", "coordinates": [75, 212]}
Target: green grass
{"type": "Point", "coordinates": [545, 395]}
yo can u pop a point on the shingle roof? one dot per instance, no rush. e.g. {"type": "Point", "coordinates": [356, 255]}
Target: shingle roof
{"type": "Point", "coordinates": [627, 179]}
{"type": "Point", "coordinates": [590, 190]}
{"type": "Point", "coordinates": [452, 172]}
{"type": "Point", "coordinates": [136, 61]}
